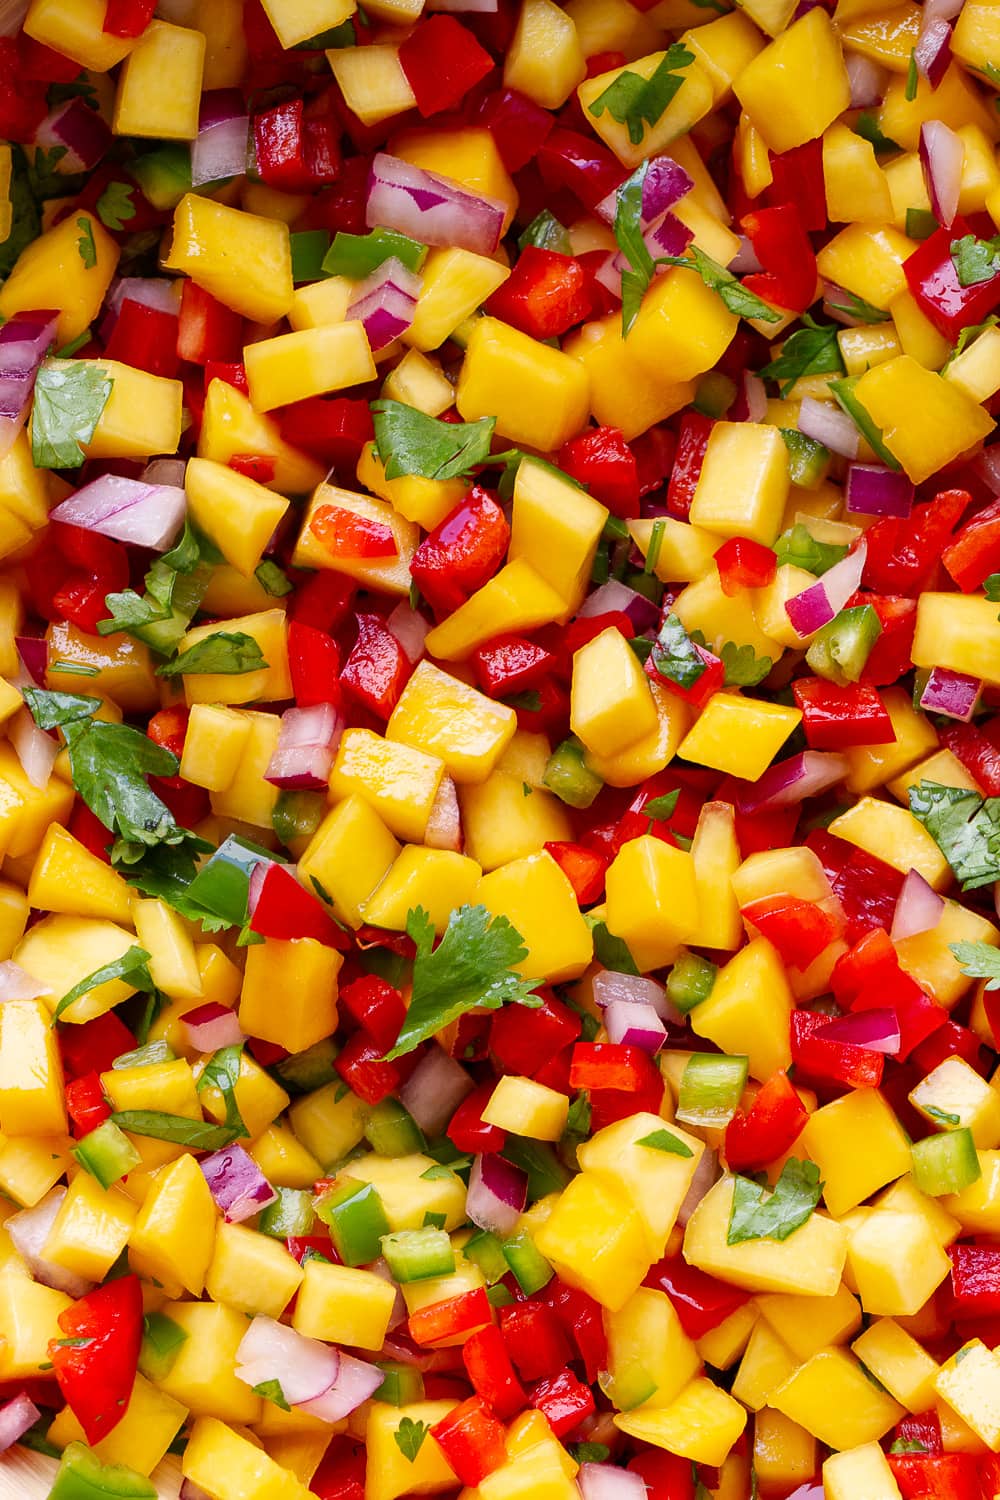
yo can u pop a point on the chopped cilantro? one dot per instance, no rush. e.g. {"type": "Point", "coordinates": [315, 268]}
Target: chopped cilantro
{"type": "Point", "coordinates": [965, 827]}
{"type": "Point", "coordinates": [760, 1215]}
{"type": "Point", "coordinates": [636, 102]}
{"type": "Point", "coordinates": [69, 400]}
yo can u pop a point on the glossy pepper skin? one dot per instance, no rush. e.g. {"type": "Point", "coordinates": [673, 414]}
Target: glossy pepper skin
{"type": "Point", "coordinates": [285, 910]}
{"type": "Point", "coordinates": [933, 279]}
{"type": "Point", "coordinates": [472, 1440]}
{"type": "Point", "coordinates": [835, 717]}
{"type": "Point", "coordinates": [692, 440]}
{"type": "Point", "coordinates": [96, 1376]}
{"type": "Point", "coordinates": [768, 1129]}
{"type": "Point", "coordinates": [701, 1301]}
{"type": "Point", "coordinates": [783, 248]}
{"type": "Point", "coordinates": [442, 61]}
{"type": "Point", "coordinates": [604, 463]}
{"type": "Point", "coordinates": [544, 296]}
{"type": "Point", "coordinates": [376, 671]}
{"type": "Point", "coordinates": [461, 553]}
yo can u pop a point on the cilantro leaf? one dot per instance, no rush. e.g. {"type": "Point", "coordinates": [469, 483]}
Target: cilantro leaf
{"type": "Point", "coordinates": [975, 260]}
{"type": "Point", "coordinates": [776, 1215]}
{"type": "Point", "coordinates": [271, 1391]}
{"type": "Point", "coordinates": [628, 233]}
{"type": "Point", "coordinates": [200, 1135]}
{"type": "Point", "coordinates": [86, 248]}
{"type": "Point", "coordinates": [735, 296]}
{"type": "Point", "coordinates": [409, 1436]}
{"type": "Point", "coordinates": [799, 547]}
{"type": "Point", "coordinates": [991, 588]}
{"type": "Point", "coordinates": [175, 586]}
{"type": "Point", "coordinates": [636, 102]}
{"type": "Point", "coordinates": [979, 961]}
{"type": "Point", "coordinates": [579, 1117]}
{"type": "Point", "coordinates": [675, 655]}
{"type": "Point", "coordinates": [965, 827]}
{"type": "Point", "coordinates": [742, 667]}
{"type": "Point", "coordinates": [844, 392]}
{"type": "Point", "coordinates": [222, 1072]}
{"type": "Point", "coordinates": [909, 1445]}
{"type": "Point", "coordinates": [546, 232]}
{"type": "Point", "coordinates": [69, 400]}
{"type": "Point", "coordinates": [26, 221]}
{"type": "Point", "coordinates": [867, 126]}
{"type": "Point", "coordinates": [596, 1453]}
{"type": "Point", "coordinates": [610, 951]}
{"type": "Point", "coordinates": [115, 206]}
{"type": "Point", "coordinates": [131, 968]}
{"type": "Point", "coordinates": [472, 966]}
{"type": "Point", "coordinates": [912, 78]}
{"type": "Point", "coordinates": [53, 710]}
{"type": "Point", "coordinates": [665, 1140]}
{"type": "Point", "coordinates": [812, 350]}
{"type": "Point", "coordinates": [857, 307]}
{"type": "Point", "coordinates": [272, 579]}
{"type": "Point", "coordinates": [228, 652]}
{"type": "Point", "coordinates": [410, 442]}
{"type": "Point", "coordinates": [661, 808]}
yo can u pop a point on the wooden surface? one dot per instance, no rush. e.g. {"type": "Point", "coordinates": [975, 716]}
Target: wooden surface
{"type": "Point", "coordinates": [28, 1476]}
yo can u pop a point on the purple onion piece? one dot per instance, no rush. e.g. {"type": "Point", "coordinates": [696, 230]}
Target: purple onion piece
{"type": "Point", "coordinates": [432, 209]}
{"type": "Point", "coordinates": [237, 1184]}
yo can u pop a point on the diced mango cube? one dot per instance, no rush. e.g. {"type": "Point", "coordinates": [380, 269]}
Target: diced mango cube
{"type": "Point", "coordinates": [524, 1107]}
{"type": "Point", "coordinates": [809, 1262]}
{"type": "Point", "coordinates": [398, 781]}
{"type": "Point", "coordinates": [243, 259]}
{"type": "Point", "coordinates": [656, 1181]}
{"type": "Point", "coordinates": [444, 717]}
{"type": "Point", "coordinates": [859, 1471]}
{"type": "Point", "coordinates": [31, 1075]}
{"type": "Point", "coordinates": [960, 632]}
{"type": "Point", "coordinates": [740, 736]}
{"type": "Point", "coordinates": [203, 1374]}
{"type": "Point", "coordinates": [175, 1231]}
{"type": "Point", "coordinates": [611, 705]}
{"type": "Point", "coordinates": [769, 87]}
{"type": "Point", "coordinates": [251, 1272]}
{"type": "Point", "coordinates": [535, 896]}
{"type": "Point", "coordinates": [545, 60]}
{"type": "Point", "coordinates": [67, 878]}
{"type": "Point", "coordinates": [950, 422]}
{"type": "Point", "coordinates": [50, 271]}
{"type": "Point", "coordinates": [896, 1359]}
{"type": "Point", "coordinates": [970, 1383]}
{"type": "Point", "coordinates": [304, 972]}
{"type": "Point", "coordinates": [390, 575]}
{"type": "Point", "coordinates": [831, 1397]}
{"type": "Point", "coordinates": [91, 1229]}
{"type": "Point", "coordinates": [894, 835]}
{"type": "Point", "coordinates": [238, 514]}
{"type": "Point", "coordinates": [858, 1145]}
{"type": "Point", "coordinates": [159, 88]}
{"type": "Point", "coordinates": [349, 854]}
{"type": "Point", "coordinates": [311, 362]}
{"type": "Point", "coordinates": [652, 897]}
{"type": "Point", "coordinates": [702, 1423]}
{"type": "Point", "coordinates": [596, 1241]}
{"type": "Point", "coordinates": [392, 1471]}
{"type": "Point", "coordinates": [743, 484]}
{"type": "Point", "coordinates": [538, 395]}
{"type": "Point", "coordinates": [214, 1449]}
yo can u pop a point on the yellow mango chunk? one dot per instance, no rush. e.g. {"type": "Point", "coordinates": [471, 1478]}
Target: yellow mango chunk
{"type": "Point", "coordinates": [349, 854]}
{"type": "Point", "coordinates": [656, 1181]}
{"type": "Point", "coordinates": [545, 60]}
{"type": "Point", "coordinates": [960, 632]}
{"type": "Point", "coordinates": [896, 1262]}
{"type": "Point", "coordinates": [645, 756]}
{"type": "Point", "coordinates": [859, 1471]}
{"type": "Point", "coordinates": [535, 896]}
{"type": "Point", "coordinates": [624, 393]}
{"type": "Point", "coordinates": [611, 705]}
{"type": "Point", "coordinates": [311, 362]}
{"type": "Point", "coordinates": [555, 526]}
{"type": "Point", "coordinates": [392, 1471]}
{"type": "Point", "coordinates": [740, 736]}
{"type": "Point", "coordinates": [235, 511]}
{"type": "Point", "coordinates": [539, 396]}
{"type": "Point", "coordinates": [955, 1088]}
{"type": "Point", "coordinates": [425, 501]}
{"type": "Point", "coordinates": [970, 1383]}
{"type": "Point", "coordinates": [702, 1423]}
{"type": "Point", "coordinates": [682, 326]}
{"type": "Point", "coordinates": [77, 31]}
{"type": "Point", "coordinates": [950, 423]}
{"type": "Point", "coordinates": [398, 781]}
{"type": "Point", "coordinates": [647, 1343]}
{"type": "Point", "coordinates": [50, 273]}
{"type": "Point", "coordinates": [139, 1441]}
{"type": "Point", "coordinates": [831, 1397]}
{"type": "Point", "coordinates": [29, 1314]}
{"type": "Point", "coordinates": [748, 1010]}
{"type": "Point", "coordinates": [515, 599]}
{"type": "Point", "coordinates": [251, 1272]}
{"type": "Point", "coordinates": [444, 717]}
{"type": "Point", "coordinates": [692, 101]}
{"type": "Point", "coordinates": [525, 1107]}
{"type": "Point", "coordinates": [229, 425]}
{"type": "Point", "coordinates": [652, 897]}
{"type": "Point", "coordinates": [456, 283]}
{"type": "Point", "coordinates": [91, 1229]}
{"type": "Point", "coordinates": [743, 484]}
{"type": "Point", "coordinates": [67, 878]}
{"type": "Point", "coordinates": [296, 21]}
{"type": "Point", "coordinates": [343, 1305]}
{"type": "Point", "coordinates": [858, 1145]}
{"type": "Point", "coordinates": [501, 821]}
{"type": "Point", "coordinates": [809, 1262]}
{"type": "Point", "coordinates": [31, 1076]}
{"type": "Point", "coordinates": [595, 1240]}
{"type": "Point", "coordinates": [256, 281]}
{"type": "Point", "coordinates": [174, 1233]}
{"type": "Point", "coordinates": [159, 88]}
{"type": "Point", "coordinates": [61, 950]}
{"type": "Point", "coordinates": [766, 1364]}
{"type": "Point", "coordinates": [893, 834]}
{"type": "Point", "coordinates": [439, 880]}
{"type": "Point", "coordinates": [899, 1362]}
{"type": "Point", "coordinates": [770, 86]}
{"type": "Point", "coordinates": [305, 972]}
{"type": "Point", "coordinates": [214, 1449]}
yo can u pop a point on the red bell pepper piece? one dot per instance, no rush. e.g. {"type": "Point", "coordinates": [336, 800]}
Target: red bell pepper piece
{"type": "Point", "coordinates": [606, 1065]}
{"type": "Point", "coordinates": [544, 296]}
{"type": "Point", "coordinates": [919, 1015]}
{"type": "Point", "coordinates": [692, 440]}
{"type": "Point", "coordinates": [462, 552]}
{"type": "Point", "coordinates": [782, 246]}
{"type": "Point", "coordinates": [23, 105]}
{"type": "Point", "coordinates": [975, 1280]}
{"type": "Point", "coordinates": [511, 664]}
{"type": "Point", "coordinates": [552, 709]}
{"type": "Point", "coordinates": [518, 125]}
{"type": "Point", "coordinates": [279, 146]}
{"type": "Point", "coordinates": [951, 1040]}
{"type": "Point", "coordinates": [609, 1105]}
{"type": "Point", "coordinates": [865, 885]}
{"type": "Point", "coordinates": [832, 1061]}
{"type": "Point", "coordinates": [207, 329]}
{"type": "Point", "coordinates": [299, 1245]}
{"type": "Point", "coordinates": [97, 1375]}
{"type": "Point", "coordinates": [700, 1300]}
{"type": "Point", "coordinates": [800, 930]}
{"type": "Point", "coordinates": [332, 430]}
{"type": "Point", "coordinates": [923, 1427]}
{"type": "Point", "coordinates": [321, 141]}
{"type": "Point", "coordinates": [980, 757]}
{"type": "Point", "coordinates": [323, 600]}
{"type": "Point", "coordinates": [602, 461]}
{"type": "Point", "coordinates": [583, 1320]}
{"type": "Point", "coordinates": [933, 281]}
{"type": "Point", "coordinates": [468, 1130]}
{"type": "Point", "coordinates": [834, 717]}
{"type": "Point", "coordinates": [93, 1046]}
{"type": "Point", "coordinates": [765, 830]}
{"type": "Point", "coordinates": [946, 1476]}
{"type": "Point", "coordinates": [443, 1320]}
{"type": "Point", "coordinates": [231, 372]}
{"type": "Point", "coordinates": [168, 727]}
{"type": "Point", "coordinates": [655, 452]}
{"type": "Point", "coordinates": [376, 671]}
{"type": "Point", "coordinates": [798, 179]}
{"type": "Point", "coordinates": [564, 1400]}
{"type": "Point", "coordinates": [377, 1007]}
{"type": "Point", "coordinates": [43, 64]}
{"type": "Point", "coordinates": [472, 1440]}
{"type": "Point", "coordinates": [341, 1472]}
{"type": "Point", "coordinates": [345, 534]}
{"type": "Point", "coordinates": [285, 910]}
{"type": "Point", "coordinates": [488, 1366]}
{"type": "Point", "coordinates": [580, 164]}
{"type": "Point", "coordinates": [711, 680]}
{"type": "Point", "coordinates": [744, 564]}
{"type": "Point", "coordinates": [522, 1040]}
{"type": "Point", "coordinates": [975, 551]}
{"type": "Point", "coordinates": [583, 629]}
{"type": "Point", "coordinates": [890, 656]}
{"type": "Point", "coordinates": [145, 337]}
{"type": "Point", "coordinates": [667, 1475]}
{"type": "Point", "coordinates": [127, 17]}
{"type": "Point", "coordinates": [362, 1066]}
{"type": "Point", "coordinates": [442, 61]}
{"type": "Point", "coordinates": [903, 554]}
{"type": "Point", "coordinates": [89, 831]}
{"type": "Point", "coordinates": [535, 1339]}
{"type": "Point", "coordinates": [256, 466]}
{"type": "Point", "coordinates": [770, 1127]}
{"type": "Point", "coordinates": [871, 962]}
{"type": "Point", "coordinates": [86, 1104]}
{"type": "Point", "coordinates": [314, 665]}
{"type": "Point", "coordinates": [584, 869]}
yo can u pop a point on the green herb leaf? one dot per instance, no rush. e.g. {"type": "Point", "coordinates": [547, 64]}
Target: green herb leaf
{"type": "Point", "coordinates": [857, 307]}
{"type": "Point", "coordinates": [812, 350]}
{"type": "Point", "coordinates": [920, 224]}
{"type": "Point", "coordinates": [53, 710]}
{"type": "Point", "coordinates": [744, 303]}
{"type": "Point", "coordinates": [655, 543]}
{"type": "Point", "coordinates": [975, 260]}
{"type": "Point", "coordinates": [867, 126]}
{"type": "Point", "coordinates": [844, 393]}
{"type": "Point", "coordinates": [222, 1072]}
{"type": "Point", "coordinates": [227, 652]}
{"type": "Point", "coordinates": [271, 1391]}
{"type": "Point", "coordinates": [912, 78]}
{"type": "Point", "coordinates": [410, 442]}
{"type": "Point", "coordinates": [991, 588]}
{"type": "Point", "coordinates": [965, 827]}
{"type": "Point", "coordinates": [665, 1140]}
{"type": "Point", "coordinates": [596, 1453]}
{"type": "Point", "coordinates": [579, 1117]}
{"type": "Point", "coordinates": [273, 580]}
{"type": "Point", "coordinates": [86, 248]}
{"type": "Point", "coordinates": [758, 1215]}
{"type": "Point", "coordinates": [175, 586]}
{"type": "Point", "coordinates": [908, 1445]}
{"type": "Point", "coordinates": [69, 400]}
{"type": "Point", "coordinates": [74, 669]}
{"type": "Point", "coordinates": [968, 336]}
{"type": "Point", "coordinates": [628, 233]}
{"type": "Point", "coordinates": [675, 655]}
{"type": "Point", "coordinates": [130, 968]}
{"type": "Point", "coordinates": [661, 808]}
{"type": "Point", "coordinates": [115, 206]}
{"type": "Point", "coordinates": [198, 1134]}
{"type": "Point", "coordinates": [472, 967]}
{"type": "Point", "coordinates": [799, 547]}
{"type": "Point", "coordinates": [546, 233]}
{"type": "Point", "coordinates": [943, 1116]}
{"type": "Point", "coordinates": [741, 666]}
{"type": "Point", "coordinates": [610, 951]}
{"type": "Point", "coordinates": [636, 102]}
{"type": "Point", "coordinates": [979, 961]}
{"type": "Point", "coordinates": [410, 1436]}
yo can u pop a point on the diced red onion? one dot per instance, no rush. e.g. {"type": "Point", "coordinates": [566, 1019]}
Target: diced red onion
{"type": "Point", "coordinates": [873, 490]}
{"type": "Point", "coordinates": [876, 1030]}
{"type": "Point", "coordinates": [609, 1482]}
{"type": "Point", "coordinates": [617, 598]}
{"type": "Point", "coordinates": [147, 515]}
{"type": "Point", "coordinates": [434, 1090]}
{"type": "Point", "coordinates": [987, 466]}
{"type": "Point", "coordinates": [170, 471]}
{"type": "Point", "coordinates": [609, 278]}
{"type": "Point", "coordinates": [816, 606]}
{"type": "Point", "coordinates": [24, 341]}
{"type": "Point", "coordinates": [34, 653]}
{"type": "Point", "coordinates": [942, 157]}
{"type": "Point", "coordinates": [634, 1025]}
{"type": "Point", "coordinates": [790, 781]}
{"type": "Point", "coordinates": [827, 424]}
{"type": "Point", "coordinates": [932, 54]}
{"type": "Point", "coordinates": [498, 1192]}
{"type": "Point", "coordinates": [386, 301]}
{"type": "Point", "coordinates": [82, 132]}
{"type": "Point", "coordinates": [17, 984]}
{"type": "Point", "coordinates": [157, 292]}
{"type": "Point", "coordinates": [29, 1231]}
{"type": "Point", "coordinates": [16, 1417]}
{"type": "Point", "coordinates": [668, 236]}
{"type": "Point", "coordinates": [307, 743]}
{"type": "Point", "coordinates": [751, 400]}
{"type": "Point", "coordinates": [36, 750]}
{"type": "Point", "coordinates": [303, 1367]}
{"type": "Point", "coordinates": [457, 7]}
{"type": "Point", "coordinates": [951, 693]}
{"type": "Point", "coordinates": [211, 1026]}
{"type": "Point", "coordinates": [745, 261]}
{"type": "Point", "coordinates": [410, 629]}
{"type": "Point", "coordinates": [665, 183]}
{"type": "Point", "coordinates": [835, 299]}
{"type": "Point", "coordinates": [356, 1382]}
{"type": "Point", "coordinates": [918, 908]}
{"type": "Point", "coordinates": [237, 1184]}
{"type": "Point", "coordinates": [444, 825]}
{"type": "Point", "coordinates": [941, 10]}
{"type": "Point", "coordinates": [429, 208]}
{"type": "Point", "coordinates": [705, 1175]}
{"type": "Point", "coordinates": [609, 986]}
{"type": "Point", "coordinates": [219, 152]}
{"type": "Point", "coordinates": [866, 78]}
{"type": "Point", "coordinates": [256, 884]}
{"type": "Point", "coordinates": [218, 105]}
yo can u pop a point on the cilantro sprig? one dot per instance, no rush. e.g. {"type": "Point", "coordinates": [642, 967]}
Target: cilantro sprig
{"type": "Point", "coordinates": [665, 1140]}
{"type": "Point", "coordinates": [227, 652]}
{"type": "Point", "coordinates": [965, 827]}
{"type": "Point", "coordinates": [115, 206]}
{"type": "Point", "coordinates": [979, 961]}
{"type": "Point", "coordinates": [761, 1215]}
{"type": "Point", "coordinates": [638, 102]}
{"type": "Point", "coordinates": [131, 968]}
{"type": "Point", "coordinates": [975, 260]}
{"type": "Point", "coordinates": [410, 442]}
{"type": "Point", "coordinates": [222, 1072]}
{"type": "Point", "coordinates": [69, 400]}
{"type": "Point", "coordinates": [409, 1437]}
{"type": "Point", "coordinates": [811, 350]}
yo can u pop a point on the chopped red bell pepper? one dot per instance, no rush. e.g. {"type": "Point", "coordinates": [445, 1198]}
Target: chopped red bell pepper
{"type": "Point", "coordinates": [377, 1007]}
{"type": "Point", "coordinates": [346, 534]}
{"type": "Point", "coordinates": [800, 930]}
{"type": "Point", "coordinates": [23, 105]}
{"type": "Point", "coordinates": [145, 337]}
{"type": "Point", "coordinates": [584, 628]}
{"type": "Point", "coordinates": [946, 1476]}
{"type": "Point", "coordinates": [655, 452]}
{"type": "Point", "coordinates": [96, 1376]}
{"type": "Point", "coordinates": [891, 654]}
{"type": "Point", "coordinates": [511, 664]}
{"type": "Point", "coordinates": [583, 1320]}
{"type": "Point", "coordinates": [331, 429]}
{"type": "Point", "coordinates": [472, 1440]}
{"type": "Point", "coordinates": [564, 1400]}
{"type": "Point", "coordinates": [442, 61]}
{"type": "Point", "coordinates": [535, 1339]}
{"type": "Point", "coordinates": [522, 1040]}
{"type": "Point", "coordinates": [974, 552]}
{"type": "Point", "coordinates": [323, 600]}
{"type": "Point", "coordinates": [299, 1245]}
{"type": "Point", "coordinates": [871, 962]}
{"type": "Point", "coordinates": [279, 146]}
{"type": "Point", "coordinates": [832, 1061]}
{"type": "Point", "coordinates": [314, 665]}
{"type": "Point", "coordinates": [951, 1040]}
{"type": "Point", "coordinates": [782, 246]}
{"type": "Point", "coordinates": [608, 1105]}
{"type": "Point", "coordinates": [692, 440]}
{"type": "Point", "coordinates": [771, 829]}
{"type": "Point", "coordinates": [544, 296]}
{"type": "Point", "coordinates": [602, 461]}
{"type": "Point", "coordinates": [168, 727]}
{"type": "Point", "coordinates": [341, 1472]}
{"type": "Point", "coordinates": [933, 280]}
{"type": "Point", "coordinates": [462, 552]}
{"type": "Point", "coordinates": [923, 1427]}
{"type": "Point", "coordinates": [127, 17]}
{"type": "Point", "coordinates": [581, 165]}
{"type": "Point", "coordinates": [606, 1065]}
{"type": "Point", "coordinates": [361, 1064]}
{"type": "Point", "coordinates": [865, 885]}
{"type": "Point", "coordinates": [89, 831]}
{"type": "Point", "coordinates": [376, 671]}
{"type": "Point", "coordinates": [321, 138]}
{"type": "Point", "coordinates": [92, 1046]}
{"type": "Point", "coordinates": [491, 1373]}
{"type": "Point", "coordinates": [770, 1127]}
{"type": "Point", "coordinates": [86, 1104]}
{"type": "Point", "coordinates": [518, 125]}
{"type": "Point", "coordinates": [744, 564]}
{"type": "Point", "coordinates": [919, 1015]}
{"type": "Point", "coordinates": [798, 179]}
{"type": "Point", "coordinates": [207, 329]}
{"type": "Point", "coordinates": [667, 1476]}
{"type": "Point", "coordinates": [258, 466]}
{"type": "Point", "coordinates": [443, 1320]}
{"type": "Point", "coordinates": [977, 752]}
{"type": "Point", "coordinates": [902, 554]}
{"type": "Point", "coordinates": [467, 1130]}
{"type": "Point", "coordinates": [285, 910]}
{"type": "Point", "coordinates": [834, 716]}
{"type": "Point", "coordinates": [585, 870]}
{"type": "Point", "coordinates": [230, 372]}
{"type": "Point", "coordinates": [975, 1280]}
{"type": "Point", "coordinates": [711, 680]}
{"type": "Point", "coordinates": [701, 1301]}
